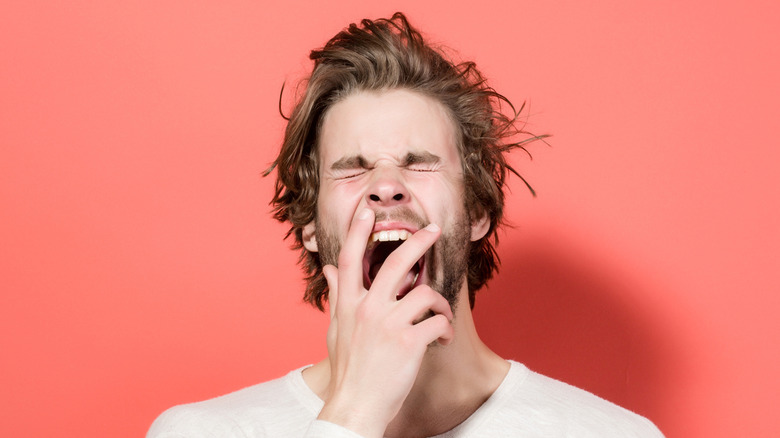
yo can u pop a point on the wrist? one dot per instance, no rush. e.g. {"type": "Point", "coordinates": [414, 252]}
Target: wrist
{"type": "Point", "coordinates": [355, 415]}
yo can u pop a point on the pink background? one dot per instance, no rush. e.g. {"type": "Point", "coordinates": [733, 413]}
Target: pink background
{"type": "Point", "coordinates": [140, 267]}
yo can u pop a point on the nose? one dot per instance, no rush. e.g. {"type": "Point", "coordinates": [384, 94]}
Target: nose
{"type": "Point", "coordinates": [387, 189]}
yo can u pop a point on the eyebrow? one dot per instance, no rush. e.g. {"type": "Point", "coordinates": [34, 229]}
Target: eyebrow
{"type": "Point", "coordinates": [421, 158]}
{"type": "Point", "coordinates": [350, 162]}
{"type": "Point", "coordinates": [360, 162]}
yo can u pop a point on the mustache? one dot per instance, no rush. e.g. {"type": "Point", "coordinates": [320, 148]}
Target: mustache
{"type": "Point", "coordinates": [401, 214]}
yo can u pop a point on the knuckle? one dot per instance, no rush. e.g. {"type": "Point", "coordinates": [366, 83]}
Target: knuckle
{"type": "Point", "coordinates": [364, 312]}
{"type": "Point", "coordinates": [439, 322]}
{"type": "Point", "coordinates": [428, 292]}
{"type": "Point", "coordinates": [424, 290]}
{"type": "Point", "coordinates": [344, 259]}
{"type": "Point", "coordinates": [361, 313]}
{"type": "Point", "coordinates": [429, 296]}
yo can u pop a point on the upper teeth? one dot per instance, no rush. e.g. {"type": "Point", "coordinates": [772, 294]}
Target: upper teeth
{"type": "Point", "coordinates": [390, 235]}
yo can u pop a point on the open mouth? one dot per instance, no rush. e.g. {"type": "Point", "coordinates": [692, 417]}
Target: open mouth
{"type": "Point", "coordinates": [380, 246]}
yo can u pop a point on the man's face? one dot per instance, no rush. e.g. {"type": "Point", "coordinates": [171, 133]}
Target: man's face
{"type": "Point", "coordinates": [395, 153]}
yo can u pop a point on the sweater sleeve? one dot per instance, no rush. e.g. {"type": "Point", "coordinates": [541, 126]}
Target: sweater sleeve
{"type": "Point", "coordinates": [189, 422]}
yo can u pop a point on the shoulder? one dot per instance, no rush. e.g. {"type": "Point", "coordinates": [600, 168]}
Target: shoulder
{"type": "Point", "coordinates": [259, 410]}
{"type": "Point", "coordinates": [554, 408]}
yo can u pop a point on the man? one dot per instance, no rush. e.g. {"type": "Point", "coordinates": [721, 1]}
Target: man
{"type": "Point", "coordinates": [391, 175]}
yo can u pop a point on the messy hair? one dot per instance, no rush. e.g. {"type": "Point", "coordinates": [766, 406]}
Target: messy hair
{"type": "Point", "coordinates": [388, 54]}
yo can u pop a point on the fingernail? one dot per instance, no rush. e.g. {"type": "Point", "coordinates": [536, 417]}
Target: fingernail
{"type": "Point", "coordinates": [364, 214]}
{"type": "Point", "coordinates": [432, 227]}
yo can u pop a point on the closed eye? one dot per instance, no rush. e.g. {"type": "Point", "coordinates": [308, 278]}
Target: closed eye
{"type": "Point", "coordinates": [349, 173]}
{"type": "Point", "coordinates": [420, 167]}
{"type": "Point", "coordinates": [421, 162]}
{"type": "Point", "coordinates": [349, 167]}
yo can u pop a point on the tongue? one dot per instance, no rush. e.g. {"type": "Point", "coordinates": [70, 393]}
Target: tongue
{"type": "Point", "coordinates": [408, 283]}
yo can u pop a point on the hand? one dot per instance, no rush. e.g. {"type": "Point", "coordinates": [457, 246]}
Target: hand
{"type": "Point", "coordinates": [374, 345]}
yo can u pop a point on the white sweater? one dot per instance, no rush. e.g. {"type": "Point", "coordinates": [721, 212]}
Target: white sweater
{"type": "Point", "coordinates": [526, 404]}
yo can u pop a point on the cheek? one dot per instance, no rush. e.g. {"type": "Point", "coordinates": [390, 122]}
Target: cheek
{"type": "Point", "coordinates": [338, 204]}
{"type": "Point", "coordinates": [439, 197]}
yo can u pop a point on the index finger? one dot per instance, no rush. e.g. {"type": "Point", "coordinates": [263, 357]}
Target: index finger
{"type": "Point", "coordinates": [351, 255]}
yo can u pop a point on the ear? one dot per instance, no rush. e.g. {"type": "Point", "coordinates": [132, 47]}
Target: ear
{"type": "Point", "coordinates": [309, 237]}
{"type": "Point", "coordinates": [479, 227]}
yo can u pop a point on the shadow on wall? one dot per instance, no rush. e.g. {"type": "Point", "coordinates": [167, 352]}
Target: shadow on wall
{"type": "Point", "coordinates": [570, 319]}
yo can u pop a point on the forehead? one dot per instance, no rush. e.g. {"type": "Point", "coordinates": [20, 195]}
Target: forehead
{"type": "Point", "coordinates": [388, 124]}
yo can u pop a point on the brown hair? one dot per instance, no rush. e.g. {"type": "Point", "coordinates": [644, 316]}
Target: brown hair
{"type": "Point", "coordinates": [389, 54]}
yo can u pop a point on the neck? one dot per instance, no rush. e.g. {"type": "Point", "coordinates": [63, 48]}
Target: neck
{"type": "Point", "coordinates": [453, 381]}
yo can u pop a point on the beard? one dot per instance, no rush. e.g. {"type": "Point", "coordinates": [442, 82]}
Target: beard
{"type": "Point", "coordinates": [446, 262]}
